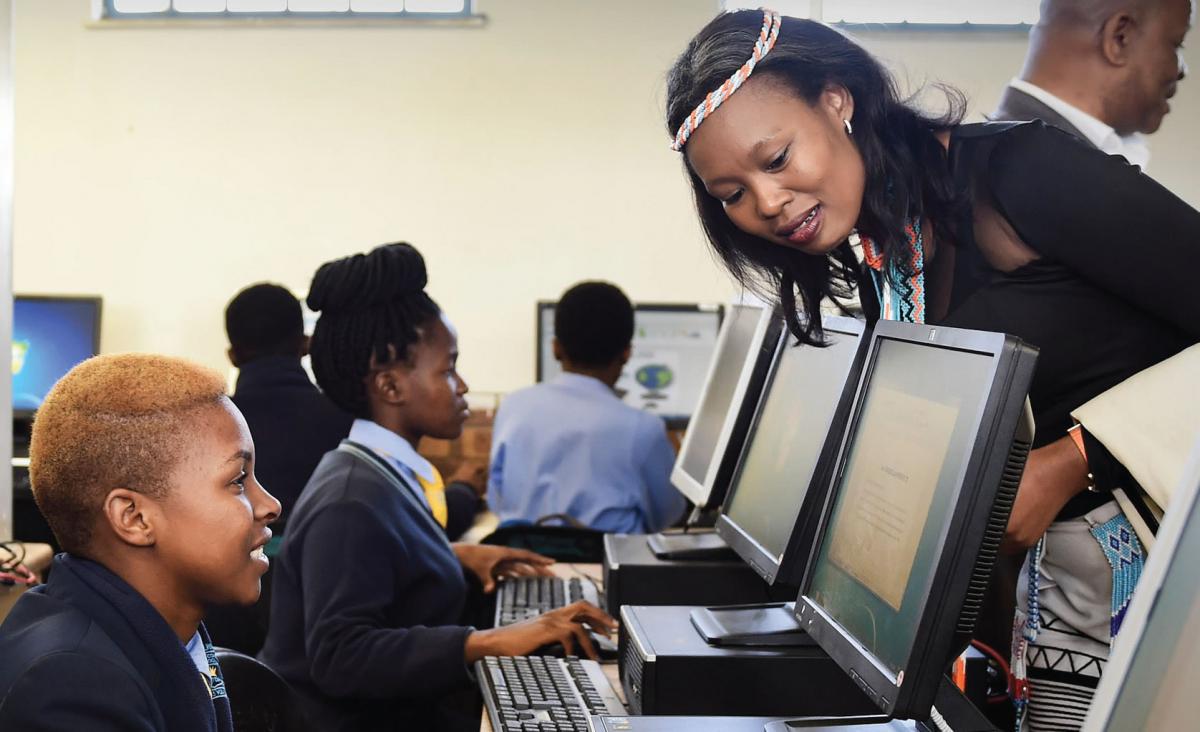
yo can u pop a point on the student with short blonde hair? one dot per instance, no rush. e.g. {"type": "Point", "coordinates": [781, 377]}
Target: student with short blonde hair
{"type": "Point", "coordinates": [144, 470]}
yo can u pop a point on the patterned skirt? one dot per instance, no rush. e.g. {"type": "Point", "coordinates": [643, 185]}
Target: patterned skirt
{"type": "Point", "coordinates": [1066, 615]}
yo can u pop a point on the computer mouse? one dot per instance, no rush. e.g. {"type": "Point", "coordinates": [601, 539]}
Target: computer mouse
{"type": "Point", "coordinates": [606, 648]}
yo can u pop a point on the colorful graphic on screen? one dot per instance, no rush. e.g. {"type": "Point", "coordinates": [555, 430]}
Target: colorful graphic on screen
{"type": "Point", "coordinates": [655, 376]}
{"type": "Point", "coordinates": [49, 337]}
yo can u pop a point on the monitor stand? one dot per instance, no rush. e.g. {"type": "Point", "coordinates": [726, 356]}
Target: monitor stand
{"type": "Point", "coordinates": [956, 713]}
{"type": "Point", "coordinates": [694, 546]}
{"type": "Point", "coordinates": [697, 541]}
{"type": "Point", "coordinates": [769, 625]}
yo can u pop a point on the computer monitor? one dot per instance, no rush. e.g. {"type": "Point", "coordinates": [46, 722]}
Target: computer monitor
{"type": "Point", "coordinates": [775, 499]}
{"type": "Point", "coordinates": [1149, 682]}
{"type": "Point", "coordinates": [672, 345]}
{"type": "Point", "coordinates": [735, 376]}
{"type": "Point", "coordinates": [925, 479]}
{"type": "Point", "coordinates": [50, 336]}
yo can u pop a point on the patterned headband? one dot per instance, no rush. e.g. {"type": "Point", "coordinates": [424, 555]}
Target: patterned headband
{"type": "Point", "coordinates": [763, 46]}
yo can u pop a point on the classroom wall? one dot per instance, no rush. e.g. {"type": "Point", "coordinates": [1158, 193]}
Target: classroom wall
{"type": "Point", "coordinates": [165, 167]}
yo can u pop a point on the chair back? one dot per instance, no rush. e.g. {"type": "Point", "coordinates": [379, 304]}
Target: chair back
{"type": "Point", "coordinates": [561, 543]}
{"type": "Point", "coordinates": [260, 699]}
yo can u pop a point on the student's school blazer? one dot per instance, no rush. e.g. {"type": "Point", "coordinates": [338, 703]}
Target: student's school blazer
{"type": "Point", "coordinates": [85, 651]}
{"type": "Point", "coordinates": [367, 604]}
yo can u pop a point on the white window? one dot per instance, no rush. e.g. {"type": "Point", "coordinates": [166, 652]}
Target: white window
{"type": "Point", "coordinates": [134, 9]}
{"type": "Point", "coordinates": [919, 12]}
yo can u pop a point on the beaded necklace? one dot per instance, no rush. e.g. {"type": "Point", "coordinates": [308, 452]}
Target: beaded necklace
{"type": "Point", "coordinates": [904, 300]}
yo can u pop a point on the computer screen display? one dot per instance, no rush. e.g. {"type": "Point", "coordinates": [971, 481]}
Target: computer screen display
{"type": "Point", "coordinates": [672, 345]}
{"type": "Point", "coordinates": [926, 477]}
{"type": "Point", "coordinates": [790, 435]}
{"type": "Point", "coordinates": [899, 483]}
{"type": "Point", "coordinates": [708, 452]}
{"type": "Point", "coordinates": [1150, 681]}
{"type": "Point", "coordinates": [50, 336]}
{"type": "Point", "coordinates": [705, 429]}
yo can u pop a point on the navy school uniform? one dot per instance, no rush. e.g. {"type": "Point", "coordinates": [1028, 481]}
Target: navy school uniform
{"type": "Point", "coordinates": [85, 651]}
{"type": "Point", "coordinates": [367, 604]}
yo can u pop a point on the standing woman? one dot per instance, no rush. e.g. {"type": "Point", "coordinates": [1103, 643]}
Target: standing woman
{"type": "Point", "coordinates": [800, 152]}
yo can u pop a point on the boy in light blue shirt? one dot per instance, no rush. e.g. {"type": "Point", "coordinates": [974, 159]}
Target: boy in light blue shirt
{"type": "Point", "coordinates": [571, 446]}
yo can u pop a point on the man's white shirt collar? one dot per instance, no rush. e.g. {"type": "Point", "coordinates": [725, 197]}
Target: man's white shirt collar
{"type": "Point", "coordinates": [1133, 147]}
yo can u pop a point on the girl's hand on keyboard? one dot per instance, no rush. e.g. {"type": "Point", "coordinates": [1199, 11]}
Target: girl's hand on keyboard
{"type": "Point", "coordinates": [490, 562]}
{"type": "Point", "coordinates": [567, 626]}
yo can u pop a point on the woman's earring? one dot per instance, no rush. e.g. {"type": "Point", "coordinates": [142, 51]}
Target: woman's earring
{"type": "Point", "coordinates": [849, 127]}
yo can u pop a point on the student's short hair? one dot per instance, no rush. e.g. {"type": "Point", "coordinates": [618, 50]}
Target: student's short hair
{"type": "Point", "coordinates": [117, 421]}
{"type": "Point", "coordinates": [373, 307]}
{"type": "Point", "coordinates": [264, 320]}
{"type": "Point", "coordinates": [593, 323]}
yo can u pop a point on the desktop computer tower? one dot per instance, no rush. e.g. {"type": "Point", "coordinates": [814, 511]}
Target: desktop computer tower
{"type": "Point", "coordinates": [667, 669]}
{"type": "Point", "coordinates": [633, 575]}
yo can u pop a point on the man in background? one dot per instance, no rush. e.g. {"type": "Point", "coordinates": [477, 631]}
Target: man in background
{"type": "Point", "coordinates": [1102, 70]}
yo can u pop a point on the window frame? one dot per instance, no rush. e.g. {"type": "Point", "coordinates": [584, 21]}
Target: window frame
{"type": "Point", "coordinates": [106, 11]}
{"type": "Point", "coordinates": [817, 12]}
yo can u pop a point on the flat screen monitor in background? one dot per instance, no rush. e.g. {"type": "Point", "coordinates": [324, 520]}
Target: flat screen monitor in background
{"type": "Point", "coordinates": [925, 479]}
{"type": "Point", "coordinates": [734, 379]}
{"type": "Point", "coordinates": [770, 514]}
{"type": "Point", "coordinates": [1150, 681]}
{"type": "Point", "coordinates": [50, 335]}
{"type": "Point", "coordinates": [778, 489]}
{"type": "Point", "coordinates": [672, 345]}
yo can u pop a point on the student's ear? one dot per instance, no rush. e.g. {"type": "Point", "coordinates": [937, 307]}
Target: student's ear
{"type": "Point", "coordinates": [233, 358]}
{"type": "Point", "coordinates": [557, 349]}
{"type": "Point", "coordinates": [305, 343]}
{"type": "Point", "coordinates": [390, 384]}
{"type": "Point", "coordinates": [131, 516]}
{"type": "Point", "coordinates": [626, 354]}
{"type": "Point", "coordinates": [1116, 38]}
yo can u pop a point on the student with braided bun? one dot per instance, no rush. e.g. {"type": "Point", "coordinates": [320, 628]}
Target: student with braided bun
{"type": "Point", "coordinates": [802, 157]}
{"type": "Point", "coordinates": [369, 595]}
{"type": "Point", "coordinates": [145, 472]}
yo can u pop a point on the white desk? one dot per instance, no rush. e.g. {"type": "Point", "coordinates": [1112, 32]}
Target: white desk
{"type": "Point", "coordinates": [485, 523]}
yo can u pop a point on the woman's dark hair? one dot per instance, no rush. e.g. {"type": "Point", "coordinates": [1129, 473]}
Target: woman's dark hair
{"type": "Point", "coordinates": [372, 308]}
{"type": "Point", "coordinates": [906, 169]}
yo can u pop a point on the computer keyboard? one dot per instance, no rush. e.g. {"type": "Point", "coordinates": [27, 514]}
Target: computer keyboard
{"type": "Point", "coordinates": [520, 598]}
{"type": "Point", "coordinates": [544, 694]}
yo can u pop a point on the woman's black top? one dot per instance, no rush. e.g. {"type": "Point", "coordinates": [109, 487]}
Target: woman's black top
{"type": "Point", "coordinates": [1114, 290]}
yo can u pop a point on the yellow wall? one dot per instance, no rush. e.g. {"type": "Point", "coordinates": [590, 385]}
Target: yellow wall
{"type": "Point", "coordinates": [166, 167]}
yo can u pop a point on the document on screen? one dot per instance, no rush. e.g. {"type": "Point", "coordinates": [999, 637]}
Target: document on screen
{"type": "Point", "coordinates": [890, 481]}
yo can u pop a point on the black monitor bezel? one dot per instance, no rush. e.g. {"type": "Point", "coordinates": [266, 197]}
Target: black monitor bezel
{"type": "Point", "coordinates": [673, 422]}
{"type": "Point", "coordinates": [791, 569]}
{"type": "Point", "coordinates": [95, 299]}
{"type": "Point", "coordinates": [911, 694]}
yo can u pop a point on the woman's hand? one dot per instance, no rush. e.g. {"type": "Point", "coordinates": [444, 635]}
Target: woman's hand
{"type": "Point", "coordinates": [1053, 474]}
{"type": "Point", "coordinates": [491, 562]}
{"type": "Point", "coordinates": [566, 625]}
